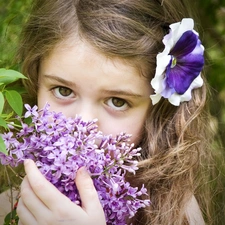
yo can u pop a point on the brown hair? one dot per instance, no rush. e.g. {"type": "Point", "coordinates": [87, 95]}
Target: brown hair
{"type": "Point", "coordinates": [175, 143]}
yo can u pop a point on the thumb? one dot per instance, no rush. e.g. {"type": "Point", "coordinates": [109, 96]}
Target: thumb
{"type": "Point", "coordinates": [88, 194]}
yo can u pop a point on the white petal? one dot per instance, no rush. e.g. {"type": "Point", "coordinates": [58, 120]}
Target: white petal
{"type": "Point", "coordinates": [177, 30]}
{"type": "Point", "coordinates": [157, 84]}
{"type": "Point", "coordinates": [186, 24]}
{"type": "Point", "coordinates": [197, 82]}
{"type": "Point", "coordinates": [176, 99]}
{"type": "Point", "coordinates": [162, 60]}
{"type": "Point", "coordinates": [158, 81]}
{"type": "Point", "coordinates": [155, 98]}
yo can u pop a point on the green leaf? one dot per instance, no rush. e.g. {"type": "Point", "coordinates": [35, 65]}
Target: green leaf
{"type": "Point", "coordinates": [2, 101]}
{"type": "Point", "coordinates": [3, 123]}
{"type": "Point", "coordinates": [9, 76]}
{"type": "Point", "coordinates": [11, 218]}
{"type": "Point", "coordinates": [28, 120]}
{"type": "Point", "coordinates": [2, 146]}
{"type": "Point", "coordinates": [15, 101]}
{"type": "Point", "coordinates": [18, 88]}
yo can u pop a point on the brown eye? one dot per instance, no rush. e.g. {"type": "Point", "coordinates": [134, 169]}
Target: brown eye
{"type": "Point", "coordinates": [63, 93]}
{"type": "Point", "coordinates": [118, 102]}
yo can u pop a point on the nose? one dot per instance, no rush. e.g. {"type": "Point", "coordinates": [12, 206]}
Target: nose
{"type": "Point", "coordinates": [87, 112]}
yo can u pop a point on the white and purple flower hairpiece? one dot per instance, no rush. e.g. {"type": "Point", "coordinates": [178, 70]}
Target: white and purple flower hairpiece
{"type": "Point", "coordinates": [179, 66]}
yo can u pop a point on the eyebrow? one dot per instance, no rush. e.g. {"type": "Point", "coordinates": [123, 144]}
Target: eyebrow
{"type": "Point", "coordinates": [59, 79]}
{"type": "Point", "coordinates": [127, 93]}
{"type": "Point", "coordinates": [123, 93]}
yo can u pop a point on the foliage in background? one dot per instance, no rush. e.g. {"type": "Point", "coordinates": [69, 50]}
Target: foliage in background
{"type": "Point", "coordinates": [11, 95]}
{"type": "Point", "coordinates": [212, 18]}
{"type": "Point", "coordinates": [13, 14]}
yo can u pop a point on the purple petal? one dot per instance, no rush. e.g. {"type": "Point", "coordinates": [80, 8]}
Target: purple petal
{"type": "Point", "coordinates": [186, 70]}
{"type": "Point", "coordinates": [188, 54]}
{"type": "Point", "coordinates": [185, 45]}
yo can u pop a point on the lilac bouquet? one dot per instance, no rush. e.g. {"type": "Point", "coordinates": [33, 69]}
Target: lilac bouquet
{"type": "Point", "coordinates": [60, 146]}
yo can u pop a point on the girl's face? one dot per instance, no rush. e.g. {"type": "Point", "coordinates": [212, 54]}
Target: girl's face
{"type": "Point", "coordinates": [78, 80]}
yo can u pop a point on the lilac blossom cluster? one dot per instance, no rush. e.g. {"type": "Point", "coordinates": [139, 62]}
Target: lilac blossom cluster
{"type": "Point", "coordinates": [60, 146]}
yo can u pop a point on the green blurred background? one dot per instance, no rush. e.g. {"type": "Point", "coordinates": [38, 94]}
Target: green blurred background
{"type": "Point", "coordinates": [13, 14]}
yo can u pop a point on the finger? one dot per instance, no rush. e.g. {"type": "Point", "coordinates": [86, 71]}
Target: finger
{"type": "Point", "coordinates": [42, 188]}
{"type": "Point", "coordinates": [31, 201]}
{"type": "Point", "coordinates": [87, 191]}
{"type": "Point", "coordinates": [25, 216]}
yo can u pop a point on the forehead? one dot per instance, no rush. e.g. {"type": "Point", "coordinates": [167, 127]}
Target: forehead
{"type": "Point", "coordinates": [80, 61]}
{"type": "Point", "coordinates": [138, 63]}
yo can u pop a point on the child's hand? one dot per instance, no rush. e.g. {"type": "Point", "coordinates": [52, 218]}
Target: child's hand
{"type": "Point", "coordinates": [41, 203]}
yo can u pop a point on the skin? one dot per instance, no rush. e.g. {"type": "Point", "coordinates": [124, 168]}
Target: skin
{"type": "Point", "coordinates": [41, 203]}
{"type": "Point", "coordinates": [75, 79]}
{"type": "Point", "coordinates": [78, 80]}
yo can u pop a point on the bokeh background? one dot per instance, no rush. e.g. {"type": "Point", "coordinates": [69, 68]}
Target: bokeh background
{"type": "Point", "coordinates": [211, 26]}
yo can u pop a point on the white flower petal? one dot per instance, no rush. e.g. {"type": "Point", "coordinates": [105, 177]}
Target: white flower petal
{"type": "Point", "coordinates": [177, 30]}
{"type": "Point", "coordinates": [176, 99]}
{"type": "Point", "coordinates": [155, 98]}
{"type": "Point", "coordinates": [197, 82]}
{"type": "Point", "coordinates": [162, 62]}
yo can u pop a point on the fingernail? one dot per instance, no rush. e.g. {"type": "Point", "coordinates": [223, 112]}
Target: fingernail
{"type": "Point", "coordinates": [83, 171]}
{"type": "Point", "coordinates": [26, 161]}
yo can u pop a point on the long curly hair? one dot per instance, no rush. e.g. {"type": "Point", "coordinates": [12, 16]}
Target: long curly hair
{"type": "Point", "coordinates": [176, 140]}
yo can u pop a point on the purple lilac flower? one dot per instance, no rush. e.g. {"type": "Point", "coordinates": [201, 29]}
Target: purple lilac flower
{"type": "Point", "coordinates": [60, 146]}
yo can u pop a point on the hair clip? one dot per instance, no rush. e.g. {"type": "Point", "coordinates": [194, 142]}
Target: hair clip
{"type": "Point", "coordinates": [179, 66]}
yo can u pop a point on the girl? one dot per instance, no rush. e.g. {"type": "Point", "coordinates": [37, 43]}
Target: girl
{"type": "Point", "coordinates": [97, 58]}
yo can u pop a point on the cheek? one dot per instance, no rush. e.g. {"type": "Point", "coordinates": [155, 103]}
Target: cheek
{"type": "Point", "coordinates": [137, 134]}
{"type": "Point", "coordinates": [135, 129]}
{"type": "Point", "coordinates": [41, 101]}
{"type": "Point", "coordinates": [42, 97]}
